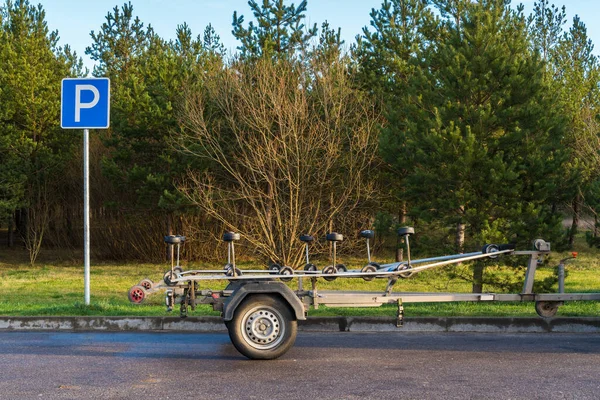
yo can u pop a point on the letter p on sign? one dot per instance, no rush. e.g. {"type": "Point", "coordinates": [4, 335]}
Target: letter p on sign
{"type": "Point", "coordinates": [85, 103]}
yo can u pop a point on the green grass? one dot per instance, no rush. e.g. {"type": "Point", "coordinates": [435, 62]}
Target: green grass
{"type": "Point", "coordinates": [56, 288]}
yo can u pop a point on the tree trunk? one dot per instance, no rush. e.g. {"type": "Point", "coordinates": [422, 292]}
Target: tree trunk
{"type": "Point", "coordinates": [575, 222]}
{"type": "Point", "coordinates": [402, 217]}
{"type": "Point", "coordinates": [399, 254]}
{"type": "Point", "coordinates": [170, 249]}
{"type": "Point", "coordinates": [11, 230]}
{"type": "Point", "coordinates": [402, 220]}
{"type": "Point", "coordinates": [21, 222]}
{"type": "Point", "coordinates": [459, 239]}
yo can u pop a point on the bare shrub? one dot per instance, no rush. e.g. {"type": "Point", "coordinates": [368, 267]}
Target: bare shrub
{"type": "Point", "coordinates": [281, 149]}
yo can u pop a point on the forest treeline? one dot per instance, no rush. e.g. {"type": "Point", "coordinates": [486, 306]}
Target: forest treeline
{"type": "Point", "coordinates": [470, 120]}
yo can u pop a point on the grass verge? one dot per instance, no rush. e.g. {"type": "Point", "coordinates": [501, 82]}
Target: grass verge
{"type": "Point", "coordinates": [56, 289]}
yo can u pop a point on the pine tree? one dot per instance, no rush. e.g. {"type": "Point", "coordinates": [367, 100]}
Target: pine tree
{"type": "Point", "coordinates": [479, 139]}
{"type": "Point", "coordinates": [577, 80]}
{"type": "Point", "coordinates": [148, 77]}
{"type": "Point", "coordinates": [279, 30]}
{"type": "Point", "coordinates": [33, 148]}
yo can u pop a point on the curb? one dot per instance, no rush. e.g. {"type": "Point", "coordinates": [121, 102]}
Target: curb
{"type": "Point", "coordinates": [313, 324]}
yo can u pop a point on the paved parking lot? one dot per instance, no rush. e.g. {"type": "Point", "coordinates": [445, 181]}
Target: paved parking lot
{"type": "Point", "coordinates": [339, 365]}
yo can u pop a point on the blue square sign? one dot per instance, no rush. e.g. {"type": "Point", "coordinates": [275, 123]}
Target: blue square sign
{"type": "Point", "coordinates": [85, 103]}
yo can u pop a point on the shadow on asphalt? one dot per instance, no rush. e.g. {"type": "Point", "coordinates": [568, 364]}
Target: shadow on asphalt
{"type": "Point", "coordinates": [211, 346]}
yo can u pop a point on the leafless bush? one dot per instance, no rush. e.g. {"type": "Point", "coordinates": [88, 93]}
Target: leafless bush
{"type": "Point", "coordinates": [282, 148]}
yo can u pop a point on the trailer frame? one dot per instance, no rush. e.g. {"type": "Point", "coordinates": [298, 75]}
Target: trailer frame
{"type": "Point", "coordinates": [267, 304]}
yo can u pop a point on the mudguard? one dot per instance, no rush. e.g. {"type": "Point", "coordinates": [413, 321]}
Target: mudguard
{"type": "Point", "coordinates": [243, 289]}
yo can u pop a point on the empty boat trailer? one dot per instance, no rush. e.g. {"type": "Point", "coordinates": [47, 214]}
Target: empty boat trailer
{"type": "Point", "coordinates": [261, 311]}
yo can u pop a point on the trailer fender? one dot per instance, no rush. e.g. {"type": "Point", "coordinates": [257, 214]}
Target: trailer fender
{"type": "Point", "coordinates": [269, 287]}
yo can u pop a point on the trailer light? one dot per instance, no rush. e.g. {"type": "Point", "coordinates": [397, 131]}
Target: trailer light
{"type": "Point", "coordinates": [215, 295]}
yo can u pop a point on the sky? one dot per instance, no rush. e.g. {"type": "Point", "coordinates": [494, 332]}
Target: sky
{"type": "Point", "coordinates": [75, 19]}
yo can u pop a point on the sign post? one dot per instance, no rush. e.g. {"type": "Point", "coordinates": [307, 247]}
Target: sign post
{"type": "Point", "coordinates": [85, 104]}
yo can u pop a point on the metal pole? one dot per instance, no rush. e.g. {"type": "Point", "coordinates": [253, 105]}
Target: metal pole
{"type": "Point", "coordinates": [307, 260]}
{"type": "Point", "coordinates": [86, 216]}
{"type": "Point", "coordinates": [561, 277]}
{"type": "Point", "coordinates": [407, 249]}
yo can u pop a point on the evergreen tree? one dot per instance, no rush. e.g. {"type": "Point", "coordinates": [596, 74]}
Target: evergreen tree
{"type": "Point", "coordinates": [479, 139]}
{"type": "Point", "coordinates": [546, 25]}
{"type": "Point", "coordinates": [279, 30]}
{"type": "Point", "coordinates": [33, 148]}
{"type": "Point", "coordinates": [148, 76]}
{"type": "Point", "coordinates": [387, 56]}
{"type": "Point", "coordinates": [577, 79]}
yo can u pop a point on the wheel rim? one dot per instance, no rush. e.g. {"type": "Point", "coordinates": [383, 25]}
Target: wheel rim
{"type": "Point", "coordinates": [369, 268]}
{"type": "Point", "coordinates": [137, 295]}
{"type": "Point", "coordinates": [146, 284]}
{"type": "Point", "coordinates": [263, 327]}
{"type": "Point", "coordinates": [408, 273]}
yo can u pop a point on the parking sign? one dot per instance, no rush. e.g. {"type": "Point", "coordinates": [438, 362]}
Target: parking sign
{"type": "Point", "coordinates": [85, 103]}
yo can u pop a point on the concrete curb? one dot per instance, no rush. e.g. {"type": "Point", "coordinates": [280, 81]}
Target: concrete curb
{"type": "Point", "coordinates": [313, 324]}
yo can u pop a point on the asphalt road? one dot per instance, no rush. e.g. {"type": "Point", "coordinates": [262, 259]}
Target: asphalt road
{"type": "Point", "coordinates": [339, 365]}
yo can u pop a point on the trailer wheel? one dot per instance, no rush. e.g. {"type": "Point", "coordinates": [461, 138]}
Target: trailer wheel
{"type": "Point", "coordinates": [274, 269]}
{"type": "Point", "coordinates": [328, 270]}
{"type": "Point", "coordinates": [341, 268]}
{"type": "Point", "coordinates": [137, 294]}
{"type": "Point", "coordinates": [369, 268]}
{"type": "Point", "coordinates": [168, 277]}
{"type": "Point", "coordinates": [405, 275]}
{"type": "Point", "coordinates": [146, 283]}
{"type": "Point", "coordinates": [547, 309]}
{"type": "Point", "coordinates": [310, 268]}
{"type": "Point", "coordinates": [229, 272]}
{"type": "Point", "coordinates": [262, 328]}
{"type": "Point", "coordinates": [489, 249]}
{"type": "Point", "coordinates": [286, 271]}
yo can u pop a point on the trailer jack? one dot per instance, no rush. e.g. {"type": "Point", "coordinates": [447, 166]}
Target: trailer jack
{"type": "Point", "coordinates": [400, 315]}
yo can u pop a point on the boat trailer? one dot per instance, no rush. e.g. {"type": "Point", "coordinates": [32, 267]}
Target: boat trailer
{"type": "Point", "coordinates": [261, 312]}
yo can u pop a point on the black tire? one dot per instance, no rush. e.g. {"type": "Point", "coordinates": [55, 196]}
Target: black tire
{"type": "Point", "coordinates": [168, 277]}
{"type": "Point", "coordinates": [330, 269]}
{"type": "Point", "coordinates": [546, 309]}
{"type": "Point", "coordinates": [274, 269]}
{"type": "Point", "coordinates": [310, 268]}
{"type": "Point", "coordinates": [341, 268]}
{"type": "Point", "coordinates": [229, 272]}
{"type": "Point", "coordinates": [489, 249]}
{"type": "Point", "coordinates": [262, 328]}
{"type": "Point", "coordinates": [178, 270]}
{"type": "Point", "coordinates": [405, 275]}
{"type": "Point", "coordinates": [369, 268]}
{"type": "Point", "coordinates": [286, 271]}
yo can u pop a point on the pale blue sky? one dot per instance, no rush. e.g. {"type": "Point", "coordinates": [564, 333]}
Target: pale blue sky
{"type": "Point", "coordinates": [76, 19]}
